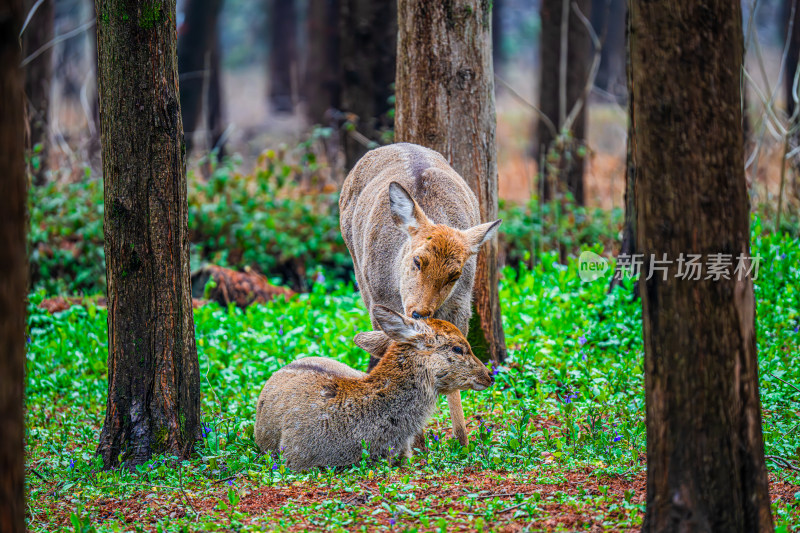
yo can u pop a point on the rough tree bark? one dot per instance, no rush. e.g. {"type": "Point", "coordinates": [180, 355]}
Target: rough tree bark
{"type": "Point", "coordinates": [38, 77]}
{"type": "Point", "coordinates": [195, 50]}
{"type": "Point", "coordinates": [153, 374]}
{"type": "Point", "coordinates": [13, 270]}
{"type": "Point", "coordinates": [368, 49]}
{"type": "Point", "coordinates": [282, 54]}
{"type": "Point", "coordinates": [322, 82]}
{"type": "Point", "coordinates": [445, 101]}
{"type": "Point", "coordinates": [556, 101]}
{"type": "Point", "coordinates": [705, 453]}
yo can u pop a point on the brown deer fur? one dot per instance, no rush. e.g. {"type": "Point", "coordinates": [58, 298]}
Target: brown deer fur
{"type": "Point", "coordinates": [320, 412]}
{"type": "Point", "coordinates": [412, 226]}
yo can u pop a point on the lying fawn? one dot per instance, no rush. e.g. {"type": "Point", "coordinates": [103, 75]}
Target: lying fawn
{"type": "Point", "coordinates": [319, 412]}
{"type": "Point", "coordinates": [412, 226]}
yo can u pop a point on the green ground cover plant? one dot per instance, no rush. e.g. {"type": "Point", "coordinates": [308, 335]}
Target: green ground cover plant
{"type": "Point", "coordinates": [556, 445]}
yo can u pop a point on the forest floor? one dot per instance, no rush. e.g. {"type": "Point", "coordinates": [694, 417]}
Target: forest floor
{"type": "Point", "coordinates": [557, 444]}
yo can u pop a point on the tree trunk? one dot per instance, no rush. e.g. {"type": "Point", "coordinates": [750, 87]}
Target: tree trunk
{"type": "Point", "coordinates": [561, 87]}
{"type": "Point", "coordinates": [498, 54]}
{"type": "Point", "coordinates": [445, 101]}
{"type": "Point", "coordinates": [792, 64]}
{"type": "Point", "coordinates": [215, 122]}
{"type": "Point", "coordinates": [322, 83]}
{"type": "Point", "coordinates": [705, 453]}
{"type": "Point", "coordinates": [153, 374]}
{"type": "Point", "coordinates": [198, 38]}
{"type": "Point", "coordinates": [628, 246]}
{"type": "Point", "coordinates": [38, 77]}
{"type": "Point", "coordinates": [793, 53]}
{"type": "Point", "coordinates": [13, 270]}
{"type": "Point", "coordinates": [608, 19]}
{"type": "Point", "coordinates": [282, 54]}
{"type": "Point", "coordinates": [368, 48]}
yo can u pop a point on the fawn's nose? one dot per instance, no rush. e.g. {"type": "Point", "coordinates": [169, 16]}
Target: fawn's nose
{"type": "Point", "coordinates": [417, 315]}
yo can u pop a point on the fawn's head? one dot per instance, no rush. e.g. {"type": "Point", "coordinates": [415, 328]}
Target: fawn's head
{"type": "Point", "coordinates": [436, 255]}
{"type": "Point", "coordinates": [436, 345]}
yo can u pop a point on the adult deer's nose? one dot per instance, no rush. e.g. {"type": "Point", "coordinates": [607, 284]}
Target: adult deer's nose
{"type": "Point", "coordinates": [415, 315]}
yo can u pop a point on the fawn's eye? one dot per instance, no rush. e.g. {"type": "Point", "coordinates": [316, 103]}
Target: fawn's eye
{"type": "Point", "coordinates": [417, 263]}
{"type": "Point", "coordinates": [458, 349]}
{"type": "Point", "coordinates": [454, 277]}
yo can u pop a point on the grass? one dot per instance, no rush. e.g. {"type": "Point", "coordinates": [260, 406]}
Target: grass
{"type": "Point", "coordinates": [557, 444]}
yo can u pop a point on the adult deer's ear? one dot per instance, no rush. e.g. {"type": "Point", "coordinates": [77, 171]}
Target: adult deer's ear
{"type": "Point", "coordinates": [406, 213]}
{"type": "Point", "coordinates": [478, 235]}
{"type": "Point", "coordinates": [374, 343]}
{"type": "Point", "coordinates": [396, 326]}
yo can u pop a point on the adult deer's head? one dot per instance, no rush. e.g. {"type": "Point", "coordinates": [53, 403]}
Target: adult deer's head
{"type": "Point", "coordinates": [436, 255]}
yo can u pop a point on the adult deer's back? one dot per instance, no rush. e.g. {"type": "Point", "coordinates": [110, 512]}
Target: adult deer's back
{"type": "Point", "coordinates": [412, 225]}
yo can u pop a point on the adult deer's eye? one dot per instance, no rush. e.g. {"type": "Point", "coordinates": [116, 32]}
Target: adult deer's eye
{"type": "Point", "coordinates": [417, 263]}
{"type": "Point", "coordinates": [458, 349]}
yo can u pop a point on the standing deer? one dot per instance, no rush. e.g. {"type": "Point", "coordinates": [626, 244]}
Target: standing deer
{"type": "Point", "coordinates": [412, 226]}
{"type": "Point", "coordinates": [320, 412]}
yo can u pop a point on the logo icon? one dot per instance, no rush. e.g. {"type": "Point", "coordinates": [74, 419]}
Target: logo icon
{"type": "Point", "coordinates": [591, 266]}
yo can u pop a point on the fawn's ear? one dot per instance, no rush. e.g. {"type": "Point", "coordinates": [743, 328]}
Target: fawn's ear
{"type": "Point", "coordinates": [374, 343]}
{"type": "Point", "coordinates": [481, 233]}
{"type": "Point", "coordinates": [406, 213]}
{"type": "Point", "coordinates": [396, 326]}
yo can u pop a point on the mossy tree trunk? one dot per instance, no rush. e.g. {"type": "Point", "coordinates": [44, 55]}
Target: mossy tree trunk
{"type": "Point", "coordinates": [38, 77]}
{"type": "Point", "coordinates": [13, 270]}
{"type": "Point", "coordinates": [445, 101]}
{"type": "Point", "coordinates": [560, 91]}
{"type": "Point", "coordinates": [153, 375]}
{"type": "Point", "coordinates": [368, 41]}
{"type": "Point", "coordinates": [705, 453]}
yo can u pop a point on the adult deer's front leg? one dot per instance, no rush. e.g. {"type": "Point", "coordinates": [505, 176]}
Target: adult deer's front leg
{"type": "Point", "coordinates": [457, 417]}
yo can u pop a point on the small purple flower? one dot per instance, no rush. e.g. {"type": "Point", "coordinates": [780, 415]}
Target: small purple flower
{"type": "Point", "coordinates": [583, 358]}
{"type": "Point", "coordinates": [280, 330]}
{"type": "Point", "coordinates": [783, 256]}
{"type": "Point", "coordinates": [392, 522]}
{"type": "Point", "coordinates": [796, 329]}
{"type": "Point", "coordinates": [29, 339]}
{"type": "Point", "coordinates": [71, 464]}
{"type": "Point", "coordinates": [618, 438]}
{"type": "Point", "coordinates": [230, 482]}
{"type": "Point", "coordinates": [582, 340]}
{"type": "Point", "coordinates": [495, 371]}
{"type": "Point", "coordinates": [320, 278]}
{"type": "Point", "coordinates": [274, 466]}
